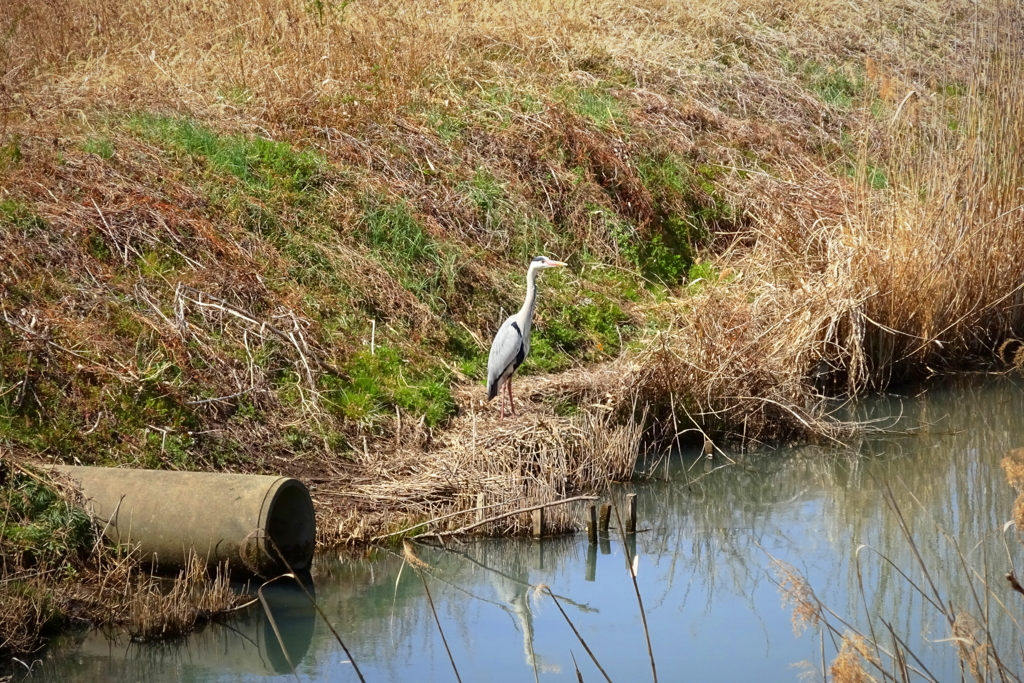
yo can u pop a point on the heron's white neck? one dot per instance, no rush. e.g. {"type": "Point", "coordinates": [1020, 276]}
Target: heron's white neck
{"type": "Point", "coordinates": [525, 315]}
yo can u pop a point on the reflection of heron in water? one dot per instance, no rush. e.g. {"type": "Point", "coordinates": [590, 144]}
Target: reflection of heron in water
{"type": "Point", "coordinates": [514, 591]}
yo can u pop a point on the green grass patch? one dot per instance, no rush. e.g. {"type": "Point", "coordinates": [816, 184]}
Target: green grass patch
{"type": "Point", "coordinates": [100, 146]}
{"type": "Point", "coordinates": [449, 128]}
{"type": "Point", "coordinates": [832, 84]}
{"type": "Point", "coordinates": [392, 230]}
{"type": "Point", "coordinates": [488, 196]}
{"type": "Point", "coordinates": [583, 326]}
{"type": "Point", "coordinates": [875, 176]}
{"type": "Point", "coordinates": [10, 153]}
{"type": "Point", "coordinates": [15, 214]}
{"type": "Point", "coordinates": [239, 95]}
{"type": "Point", "coordinates": [262, 165]}
{"type": "Point", "coordinates": [86, 419]}
{"type": "Point", "coordinates": [655, 257]}
{"type": "Point", "coordinates": [40, 525]}
{"type": "Point", "coordinates": [378, 383]}
{"type": "Point", "coordinates": [836, 84]}
{"type": "Point", "coordinates": [499, 105]}
{"type": "Point", "coordinates": [595, 103]}
{"type": "Point", "coordinates": [688, 209]}
{"type": "Point", "coordinates": [421, 264]}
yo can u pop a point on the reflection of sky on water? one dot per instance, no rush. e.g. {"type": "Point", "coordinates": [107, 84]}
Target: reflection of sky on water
{"type": "Point", "coordinates": [713, 608]}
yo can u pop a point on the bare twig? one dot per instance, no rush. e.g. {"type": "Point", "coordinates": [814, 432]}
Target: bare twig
{"type": "Point", "coordinates": [470, 527]}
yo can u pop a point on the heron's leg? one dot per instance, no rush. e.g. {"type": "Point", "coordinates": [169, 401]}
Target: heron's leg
{"type": "Point", "coordinates": [511, 402]}
{"type": "Point", "coordinates": [501, 403]}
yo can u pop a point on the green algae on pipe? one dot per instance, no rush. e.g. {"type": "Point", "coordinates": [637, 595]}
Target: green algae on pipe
{"type": "Point", "coordinates": [244, 519]}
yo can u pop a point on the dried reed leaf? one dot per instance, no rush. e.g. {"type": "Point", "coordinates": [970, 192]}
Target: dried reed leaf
{"type": "Point", "coordinates": [848, 666]}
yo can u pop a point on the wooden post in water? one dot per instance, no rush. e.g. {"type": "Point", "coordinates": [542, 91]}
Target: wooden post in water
{"type": "Point", "coordinates": [631, 513]}
{"type": "Point", "coordinates": [606, 517]}
{"type": "Point", "coordinates": [591, 574]}
{"type": "Point", "coordinates": [480, 498]}
{"type": "Point", "coordinates": [538, 522]}
{"type": "Point", "coordinates": [592, 528]}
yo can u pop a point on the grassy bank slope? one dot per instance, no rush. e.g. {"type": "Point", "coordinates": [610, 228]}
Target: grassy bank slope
{"type": "Point", "coordinates": [277, 235]}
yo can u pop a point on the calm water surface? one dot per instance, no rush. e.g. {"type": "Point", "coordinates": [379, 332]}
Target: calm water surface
{"type": "Point", "coordinates": [703, 563]}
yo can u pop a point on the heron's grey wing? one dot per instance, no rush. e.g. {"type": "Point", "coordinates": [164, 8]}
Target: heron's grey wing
{"type": "Point", "coordinates": [507, 351]}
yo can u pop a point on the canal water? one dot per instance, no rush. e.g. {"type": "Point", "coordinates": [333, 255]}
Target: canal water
{"type": "Point", "coordinates": [704, 569]}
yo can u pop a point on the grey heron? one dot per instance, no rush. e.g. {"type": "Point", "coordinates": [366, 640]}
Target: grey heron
{"type": "Point", "coordinates": [512, 342]}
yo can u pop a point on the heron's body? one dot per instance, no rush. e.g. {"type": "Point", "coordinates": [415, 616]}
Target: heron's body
{"type": "Point", "coordinates": [512, 342]}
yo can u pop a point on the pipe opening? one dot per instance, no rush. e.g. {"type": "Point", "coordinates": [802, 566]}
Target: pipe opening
{"type": "Point", "coordinates": [291, 525]}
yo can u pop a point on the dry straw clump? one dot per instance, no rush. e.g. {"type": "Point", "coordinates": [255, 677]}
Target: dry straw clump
{"type": "Point", "coordinates": [1013, 465]}
{"type": "Point", "coordinates": [537, 459]}
{"type": "Point", "coordinates": [157, 611]}
{"type": "Point", "coordinates": [848, 666]}
{"type": "Point", "coordinates": [797, 592]}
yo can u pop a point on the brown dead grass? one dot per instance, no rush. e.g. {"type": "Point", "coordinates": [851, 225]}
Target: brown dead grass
{"type": "Point", "coordinates": [538, 458]}
{"type": "Point", "coordinates": [192, 598]}
{"type": "Point", "coordinates": [302, 67]}
{"type": "Point", "coordinates": [848, 666]}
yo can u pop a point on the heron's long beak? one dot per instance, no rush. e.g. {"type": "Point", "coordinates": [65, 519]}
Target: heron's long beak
{"type": "Point", "coordinates": [551, 263]}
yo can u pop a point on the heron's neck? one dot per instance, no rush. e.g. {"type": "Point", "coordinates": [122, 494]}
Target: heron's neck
{"type": "Point", "coordinates": [525, 314]}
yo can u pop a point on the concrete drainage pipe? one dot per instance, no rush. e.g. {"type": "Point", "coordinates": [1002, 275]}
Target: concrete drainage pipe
{"type": "Point", "coordinates": [248, 520]}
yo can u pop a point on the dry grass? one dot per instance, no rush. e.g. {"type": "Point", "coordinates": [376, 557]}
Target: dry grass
{"type": "Point", "coordinates": [1013, 465]}
{"type": "Point", "coordinates": [848, 667]}
{"type": "Point", "coordinates": [538, 459]}
{"type": "Point", "coordinates": [797, 593]}
{"type": "Point", "coordinates": [350, 63]}
{"type": "Point", "coordinates": [193, 598]}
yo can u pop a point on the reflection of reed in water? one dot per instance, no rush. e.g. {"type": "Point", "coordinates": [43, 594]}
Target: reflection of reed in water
{"type": "Point", "coordinates": [943, 525]}
{"type": "Point", "coordinates": [245, 645]}
{"type": "Point", "coordinates": [940, 459]}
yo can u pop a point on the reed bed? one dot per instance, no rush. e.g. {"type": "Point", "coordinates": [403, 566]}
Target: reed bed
{"type": "Point", "coordinates": [538, 459]}
{"type": "Point", "coordinates": [844, 286]}
{"type": "Point", "coordinates": [959, 597]}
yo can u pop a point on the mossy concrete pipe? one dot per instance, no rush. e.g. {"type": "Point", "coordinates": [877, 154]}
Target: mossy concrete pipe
{"type": "Point", "coordinates": [245, 519]}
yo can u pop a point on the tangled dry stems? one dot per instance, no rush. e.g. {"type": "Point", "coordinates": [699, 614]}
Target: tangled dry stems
{"type": "Point", "coordinates": [192, 598]}
{"type": "Point", "coordinates": [539, 458]}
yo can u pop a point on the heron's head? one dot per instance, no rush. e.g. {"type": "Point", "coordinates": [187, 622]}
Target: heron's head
{"type": "Point", "coordinates": [545, 262]}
